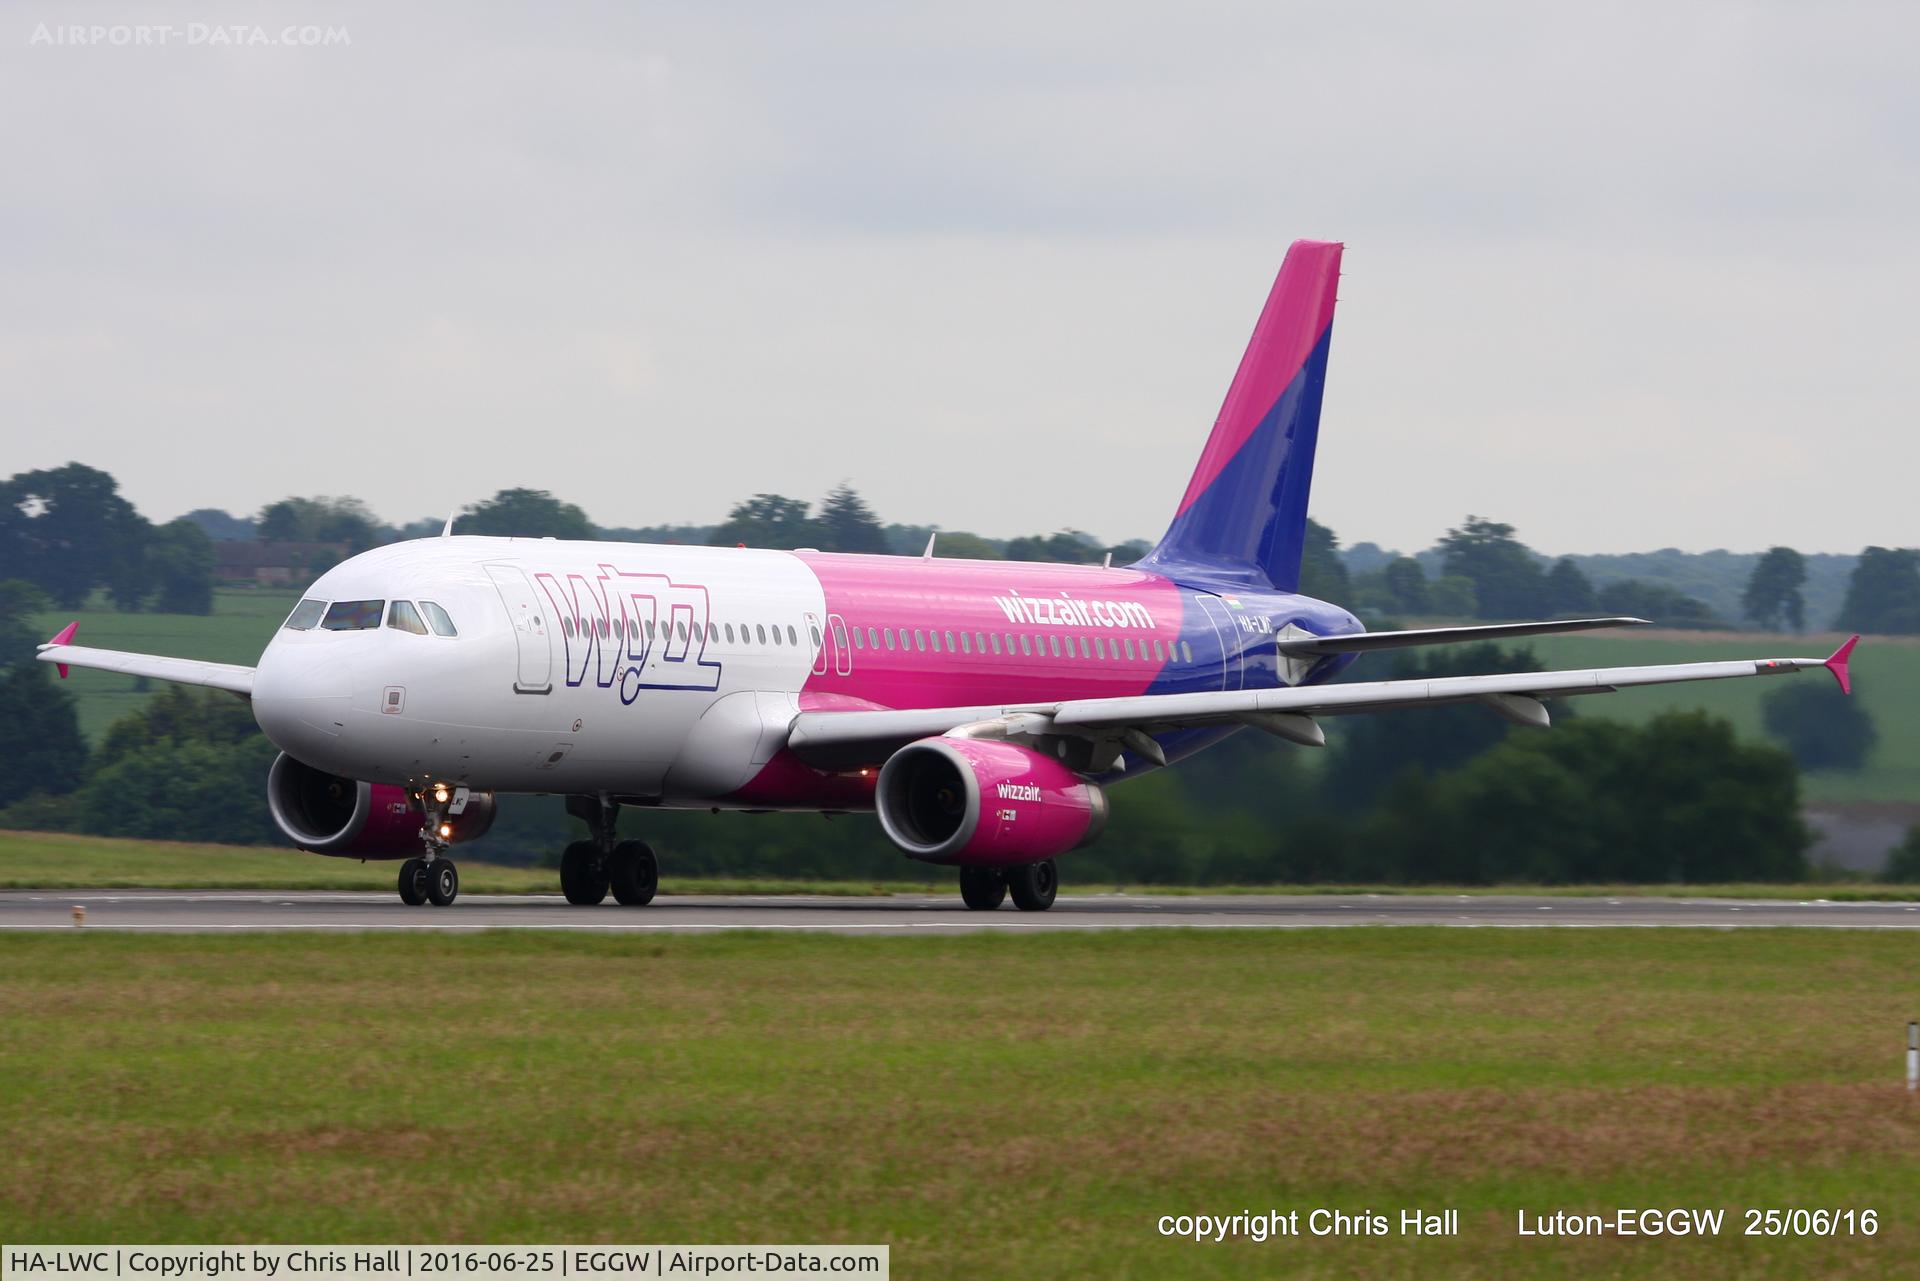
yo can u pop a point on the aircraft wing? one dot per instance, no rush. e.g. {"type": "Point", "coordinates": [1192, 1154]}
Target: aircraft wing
{"type": "Point", "coordinates": [840, 739]}
{"type": "Point", "coordinates": [183, 671]}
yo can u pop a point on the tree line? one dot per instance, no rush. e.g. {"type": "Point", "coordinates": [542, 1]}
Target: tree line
{"type": "Point", "coordinates": [68, 531]}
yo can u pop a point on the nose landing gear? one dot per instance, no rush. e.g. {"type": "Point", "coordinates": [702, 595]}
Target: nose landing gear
{"type": "Point", "coordinates": [432, 878]}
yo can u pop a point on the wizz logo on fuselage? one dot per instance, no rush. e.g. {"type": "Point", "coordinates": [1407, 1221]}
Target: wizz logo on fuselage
{"type": "Point", "coordinates": [634, 630]}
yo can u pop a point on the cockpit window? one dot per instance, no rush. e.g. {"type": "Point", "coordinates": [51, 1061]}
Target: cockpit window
{"type": "Point", "coordinates": [305, 615]}
{"type": "Point", "coordinates": [402, 616]}
{"type": "Point", "coordinates": [353, 615]}
{"type": "Point", "coordinates": [442, 624]}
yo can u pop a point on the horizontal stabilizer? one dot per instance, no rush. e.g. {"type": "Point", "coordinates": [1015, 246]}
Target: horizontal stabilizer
{"type": "Point", "coordinates": [1364, 642]}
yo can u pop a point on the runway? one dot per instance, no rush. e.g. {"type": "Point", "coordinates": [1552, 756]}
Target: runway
{"type": "Point", "coordinates": [209, 911]}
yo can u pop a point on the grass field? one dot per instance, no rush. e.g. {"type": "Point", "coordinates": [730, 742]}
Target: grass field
{"type": "Point", "coordinates": [988, 1105]}
{"type": "Point", "coordinates": [62, 861]}
{"type": "Point", "coordinates": [1887, 670]}
{"type": "Point", "coordinates": [1886, 673]}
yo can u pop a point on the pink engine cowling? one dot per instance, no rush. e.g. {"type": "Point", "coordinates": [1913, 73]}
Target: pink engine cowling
{"type": "Point", "coordinates": [326, 814]}
{"type": "Point", "coordinates": [985, 803]}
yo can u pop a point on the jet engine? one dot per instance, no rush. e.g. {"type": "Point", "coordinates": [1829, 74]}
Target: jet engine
{"type": "Point", "coordinates": [326, 814]}
{"type": "Point", "coordinates": [985, 803]}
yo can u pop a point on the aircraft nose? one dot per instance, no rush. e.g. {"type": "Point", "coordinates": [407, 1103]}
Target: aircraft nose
{"type": "Point", "coordinates": [301, 703]}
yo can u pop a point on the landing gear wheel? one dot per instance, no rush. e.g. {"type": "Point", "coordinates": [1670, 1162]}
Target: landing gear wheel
{"type": "Point", "coordinates": [633, 873]}
{"type": "Point", "coordinates": [413, 882]}
{"type": "Point", "coordinates": [443, 882]}
{"type": "Point", "coordinates": [1034, 885]}
{"type": "Point", "coordinates": [582, 878]}
{"type": "Point", "coordinates": [982, 888]}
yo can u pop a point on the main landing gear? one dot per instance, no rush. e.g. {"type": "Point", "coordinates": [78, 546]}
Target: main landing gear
{"type": "Point", "coordinates": [590, 868]}
{"type": "Point", "coordinates": [433, 878]}
{"type": "Point", "coordinates": [1033, 886]}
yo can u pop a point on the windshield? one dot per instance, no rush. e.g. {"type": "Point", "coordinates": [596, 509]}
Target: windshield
{"type": "Point", "coordinates": [353, 615]}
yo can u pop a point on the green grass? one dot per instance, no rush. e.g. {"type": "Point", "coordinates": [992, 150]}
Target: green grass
{"type": "Point", "coordinates": [987, 1105]}
{"type": "Point", "coordinates": [242, 622]}
{"type": "Point", "coordinates": [63, 861]}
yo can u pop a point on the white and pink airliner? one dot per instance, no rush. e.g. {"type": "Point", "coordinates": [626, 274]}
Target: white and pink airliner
{"type": "Point", "coordinates": [980, 707]}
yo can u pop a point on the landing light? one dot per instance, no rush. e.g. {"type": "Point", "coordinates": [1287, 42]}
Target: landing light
{"type": "Point", "coordinates": [446, 830]}
{"type": "Point", "coordinates": [440, 794]}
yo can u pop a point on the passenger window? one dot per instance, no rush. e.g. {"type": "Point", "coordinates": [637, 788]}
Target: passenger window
{"type": "Point", "coordinates": [1129, 644]}
{"type": "Point", "coordinates": [936, 642]}
{"type": "Point", "coordinates": [729, 633]}
{"type": "Point", "coordinates": [887, 634]}
{"type": "Point", "coordinates": [996, 642]}
{"type": "Point", "coordinates": [1026, 646]}
{"type": "Point", "coordinates": [305, 615]}
{"type": "Point", "coordinates": [919, 640]}
{"type": "Point", "coordinates": [815, 633]}
{"type": "Point", "coordinates": [438, 619]}
{"type": "Point", "coordinates": [859, 639]}
{"type": "Point", "coordinates": [840, 634]}
{"type": "Point", "coordinates": [760, 630]}
{"type": "Point", "coordinates": [566, 625]}
{"type": "Point", "coordinates": [1053, 643]}
{"type": "Point", "coordinates": [873, 639]}
{"type": "Point", "coordinates": [1100, 647]}
{"type": "Point", "coordinates": [353, 615]}
{"type": "Point", "coordinates": [966, 643]}
{"type": "Point", "coordinates": [949, 642]}
{"type": "Point", "coordinates": [1084, 651]}
{"type": "Point", "coordinates": [403, 617]}
{"type": "Point", "coordinates": [1186, 652]}
{"type": "Point", "coordinates": [793, 637]}
{"type": "Point", "coordinates": [776, 633]}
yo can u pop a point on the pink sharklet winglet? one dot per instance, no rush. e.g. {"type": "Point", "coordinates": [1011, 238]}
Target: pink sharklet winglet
{"type": "Point", "coordinates": [64, 637]}
{"type": "Point", "coordinates": [1837, 664]}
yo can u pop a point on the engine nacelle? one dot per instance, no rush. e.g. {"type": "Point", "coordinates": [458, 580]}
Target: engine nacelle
{"type": "Point", "coordinates": [985, 803]}
{"type": "Point", "coordinates": [325, 814]}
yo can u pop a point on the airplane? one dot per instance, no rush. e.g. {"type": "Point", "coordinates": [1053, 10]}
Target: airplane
{"type": "Point", "coordinates": [981, 708]}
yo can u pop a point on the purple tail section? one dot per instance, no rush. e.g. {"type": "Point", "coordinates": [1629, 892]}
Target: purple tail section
{"type": "Point", "coordinates": [1244, 517]}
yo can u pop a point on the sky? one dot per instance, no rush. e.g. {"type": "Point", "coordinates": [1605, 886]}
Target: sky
{"type": "Point", "coordinates": [1625, 276]}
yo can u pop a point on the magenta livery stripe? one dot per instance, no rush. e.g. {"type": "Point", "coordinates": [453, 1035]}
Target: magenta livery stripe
{"type": "Point", "coordinates": [1017, 609]}
{"type": "Point", "coordinates": [1299, 309]}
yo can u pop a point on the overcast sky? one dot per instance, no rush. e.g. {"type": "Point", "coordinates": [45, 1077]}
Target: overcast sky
{"type": "Point", "coordinates": [1626, 277]}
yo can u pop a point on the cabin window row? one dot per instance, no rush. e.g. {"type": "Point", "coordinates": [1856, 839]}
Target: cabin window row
{"type": "Point", "coordinates": [915, 640]}
{"type": "Point", "coordinates": [1023, 644]}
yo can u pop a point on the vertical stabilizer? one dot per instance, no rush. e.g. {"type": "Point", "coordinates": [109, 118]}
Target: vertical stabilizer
{"type": "Point", "coordinates": [1244, 517]}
